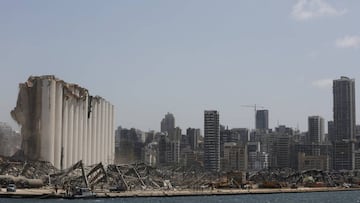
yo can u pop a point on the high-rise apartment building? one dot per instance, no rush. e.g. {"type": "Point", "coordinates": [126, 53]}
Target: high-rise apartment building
{"type": "Point", "coordinates": [282, 150]}
{"type": "Point", "coordinates": [316, 133]}
{"type": "Point", "coordinates": [344, 123]}
{"type": "Point", "coordinates": [262, 119]}
{"type": "Point", "coordinates": [211, 141]}
{"type": "Point", "coordinates": [175, 145]}
{"type": "Point", "coordinates": [193, 135]}
{"type": "Point", "coordinates": [168, 123]}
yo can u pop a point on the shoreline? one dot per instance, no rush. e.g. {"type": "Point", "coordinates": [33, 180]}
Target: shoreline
{"type": "Point", "coordinates": [49, 193]}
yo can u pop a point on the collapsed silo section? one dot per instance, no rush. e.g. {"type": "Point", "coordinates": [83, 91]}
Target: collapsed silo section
{"type": "Point", "coordinates": [27, 113]}
{"type": "Point", "coordinates": [61, 123]}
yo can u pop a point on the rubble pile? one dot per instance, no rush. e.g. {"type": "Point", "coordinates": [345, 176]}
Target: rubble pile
{"type": "Point", "coordinates": [273, 174]}
{"type": "Point", "coordinates": [80, 176]}
{"type": "Point", "coordinates": [308, 178]}
{"type": "Point", "coordinates": [139, 176]}
{"type": "Point", "coordinates": [25, 174]}
{"type": "Point", "coordinates": [27, 169]}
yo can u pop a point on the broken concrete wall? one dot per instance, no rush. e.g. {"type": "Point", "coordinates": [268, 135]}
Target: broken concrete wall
{"type": "Point", "coordinates": [27, 113]}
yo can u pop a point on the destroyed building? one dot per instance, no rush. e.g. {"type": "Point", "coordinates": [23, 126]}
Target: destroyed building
{"type": "Point", "coordinates": [62, 123]}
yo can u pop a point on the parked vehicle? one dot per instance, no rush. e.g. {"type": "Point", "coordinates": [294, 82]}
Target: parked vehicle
{"type": "Point", "coordinates": [11, 188]}
{"type": "Point", "coordinates": [81, 193]}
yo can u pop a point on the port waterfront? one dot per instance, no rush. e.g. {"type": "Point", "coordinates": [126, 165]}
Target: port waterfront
{"type": "Point", "coordinates": [50, 193]}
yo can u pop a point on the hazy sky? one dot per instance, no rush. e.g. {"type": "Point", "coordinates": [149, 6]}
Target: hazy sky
{"type": "Point", "coordinates": [153, 57]}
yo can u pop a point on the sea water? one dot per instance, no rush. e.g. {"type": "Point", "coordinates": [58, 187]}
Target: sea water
{"type": "Point", "coordinates": [313, 197]}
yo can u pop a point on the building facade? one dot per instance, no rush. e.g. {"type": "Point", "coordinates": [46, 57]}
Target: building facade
{"type": "Point", "coordinates": [235, 157]}
{"type": "Point", "coordinates": [282, 150]}
{"type": "Point", "coordinates": [193, 136]}
{"type": "Point", "coordinates": [331, 136]}
{"type": "Point", "coordinates": [239, 135]}
{"type": "Point", "coordinates": [262, 119]}
{"type": "Point", "coordinates": [313, 162]}
{"type": "Point", "coordinates": [211, 141]}
{"type": "Point", "coordinates": [316, 134]}
{"type": "Point", "coordinates": [344, 123]}
{"type": "Point", "coordinates": [167, 123]}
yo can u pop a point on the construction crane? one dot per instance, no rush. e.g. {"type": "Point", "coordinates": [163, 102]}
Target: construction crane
{"type": "Point", "coordinates": [255, 107]}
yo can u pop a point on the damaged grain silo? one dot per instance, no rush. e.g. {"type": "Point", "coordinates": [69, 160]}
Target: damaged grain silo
{"type": "Point", "coordinates": [61, 123]}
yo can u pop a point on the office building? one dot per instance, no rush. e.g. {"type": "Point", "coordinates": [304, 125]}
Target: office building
{"type": "Point", "coordinates": [193, 136]}
{"type": "Point", "coordinates": [282, 150]}
{"type": "Point", "coordinates": [262, 119]}
{"type": "Point", "coordinates": [316, 134]}
{"type": "Point", "coordinates": [344, 123]}
{"type": "Point", "coordinates": [168, 123]}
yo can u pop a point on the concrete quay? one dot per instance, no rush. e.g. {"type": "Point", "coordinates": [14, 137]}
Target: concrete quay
{"type": "Point", "coordinates": [50, 193]}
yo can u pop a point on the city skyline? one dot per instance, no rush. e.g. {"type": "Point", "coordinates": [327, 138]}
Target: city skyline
{"type": "Point", "coordinates": [157, 57]}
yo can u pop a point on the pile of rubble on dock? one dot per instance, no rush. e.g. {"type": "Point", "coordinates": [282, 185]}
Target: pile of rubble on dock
{"type": "Point", "coordinates": [139, 176]}
{"type": "Point", "coordinates": [25, 173]}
